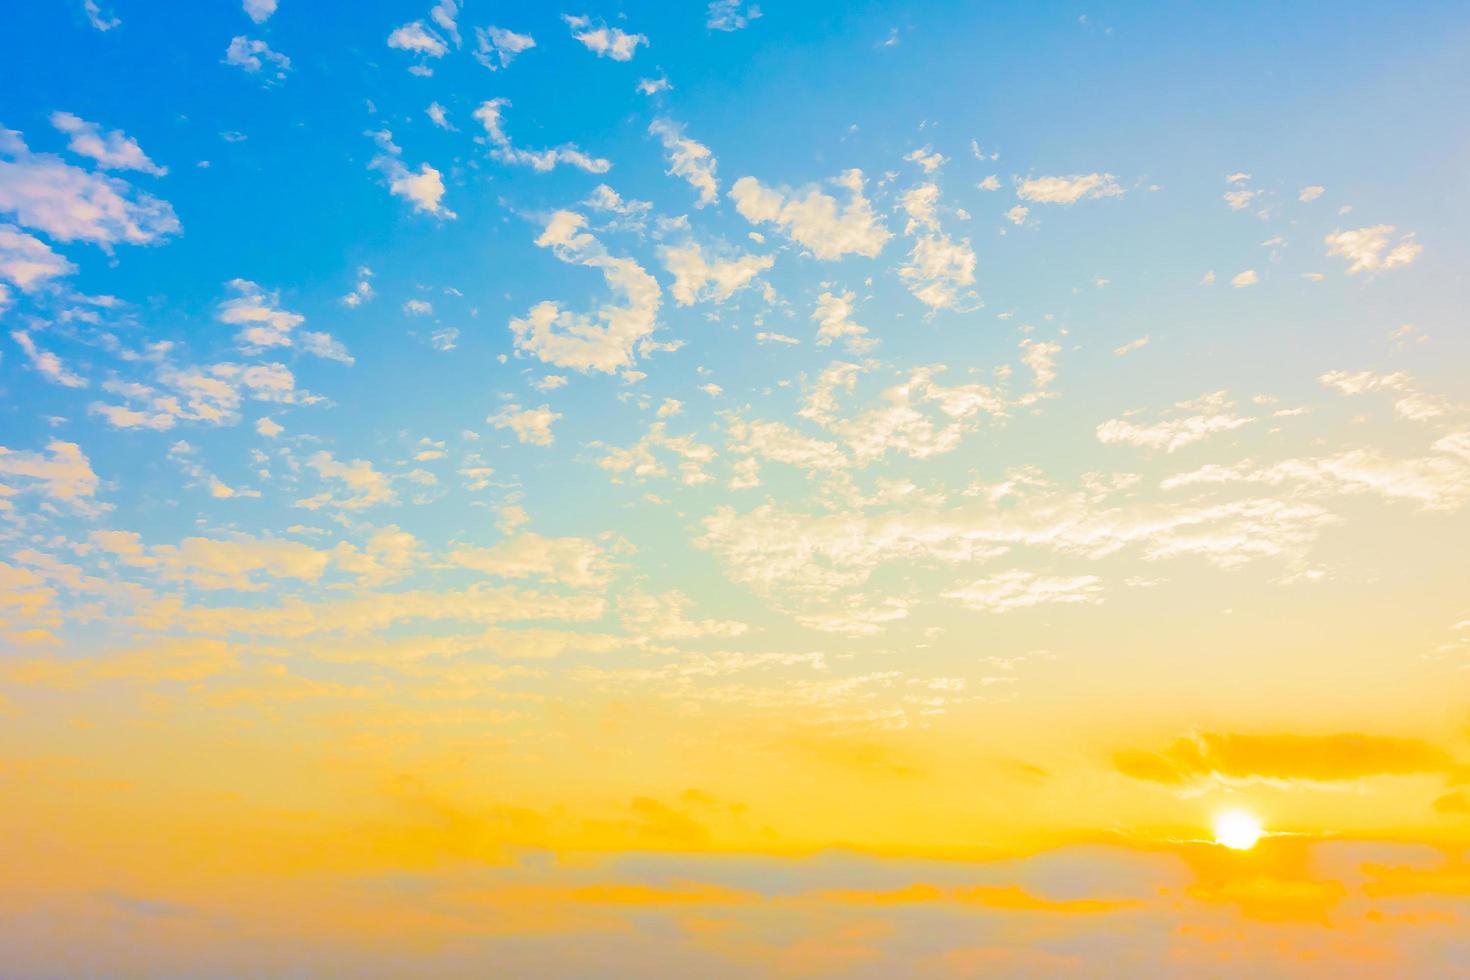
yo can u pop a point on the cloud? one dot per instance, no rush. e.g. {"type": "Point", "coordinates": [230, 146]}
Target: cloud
{"type": "Point", "coordinates": [605, 340]}
{"type": "Point", "coordinates": [70, 204]}
{"type": "Point", "coordinates": [604, 41]}
{"type": "Point", "coordinates": [833, 314]}
{"type": "Point", "coordinates": [102, 21]}
{"type": "Point", "coordinates": [63, 474]}
{"type": "Point", "coordinates": [489, 115]}
{"type": "Point", "coordinates": [252, 56]}
{"type": "Point", "coordinates": [575, 562]}
{"type": "Point", "coordinates": [1311, 193]}
{"type": "Point", "coordinates": [641, 462]}
{"type": "Point", "coordinates": [1246, 278]}
{"type": "Point", "coordinates": [1213, 413]}
{"type": "Point", "coordinates": [29, 262]}
{"type": "Point", "coordinates": [424, 189]}
{"type": "Point", "coordinates": [699, 278]}
{"type": "Point", "coordinates": [1068, 190]}
{"type": "Point", "coordinates": [1018, 589]}
{"type": "Point", "coordinates": [112, 151]}
{"type": "Point", "coordinates": [496, 48]}
{"type": "Point", "coordinates": [531, 425]}
{"type": "Point", "coordinates": [1369, 249]}
{"type": "Point", "coordinates": [814, 219]}
{"type": "Point", "coordinates": [264, 325]}
{"type": "Point", "coordinates": [418, 39]}
{"type": "Point", "coordinates": [730, 15]}
{"type": "Point", "coordinates": [1233, 757]}
{"type": "Point", "coordinates": [364, 486]}
{"type": "Point", "coordinates": [259, 10]}
{"type": "Point", "coordinates": [1438, 480]}
{"type": "Point", "coordinates": [47, 364]}
{"type": "Point", "coordinates": [689, 159]}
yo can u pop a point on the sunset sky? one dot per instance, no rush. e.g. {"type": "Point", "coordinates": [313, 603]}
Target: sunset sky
{"type": "Point", "coordinates": [926, 489]}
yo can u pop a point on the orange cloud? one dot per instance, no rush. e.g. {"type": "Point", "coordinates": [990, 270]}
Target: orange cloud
{"type": "Point", "coordinates": [1313, 758]}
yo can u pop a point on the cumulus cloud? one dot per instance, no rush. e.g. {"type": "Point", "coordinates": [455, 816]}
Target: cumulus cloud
{"type": "Point", "coordinates": [605, 340]}
{"type": "Point", "coordinates": [112, 151]}
{"type": "Point", "coordinates": [698, 277]}
{"type": "Point", "coordinates": [28, 262]}
{"type": "Point", "coordinates": [424, 188]}
{"type": "Point", "coordinates": [604, 41]}
{"type": "Point", "coordinates": [62, 473]}
{"type": "Point", "coordinates": [1068, 190]}
{"type": "Point", "coordinates": [259, 10]}
{"type": "Point", "coordinates": [730, 15]}
{"type": "Point", "coordinates": [531, 425]}
{"type": "Point", "coordinates": [253, 56]}
{"type": "Point", "coordinates": [689, 159]}
{"type": "Point", "coordinates": [68, 203]}
{"type": "Point", "coordinates": [361, 485]}
{"type": "Point", "coordinates": [833, 315]}
{"type": "Point", "coordinates": [490, 116]}
{"type": "Point", "coordinates": [496, 47]}
{"type": "Point", "coordinates": [1373, 249]}
{"type": "Point", "coordinates": [813, 219]}
{"type": "Point", "coordinates": [263, 324]}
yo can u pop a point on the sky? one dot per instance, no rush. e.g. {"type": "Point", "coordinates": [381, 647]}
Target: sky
{"type": "Point", "coordinates": [809, 490]}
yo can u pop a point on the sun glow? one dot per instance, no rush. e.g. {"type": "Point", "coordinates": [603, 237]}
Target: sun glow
{"type": "Point", "coordinates": [1237, 830]}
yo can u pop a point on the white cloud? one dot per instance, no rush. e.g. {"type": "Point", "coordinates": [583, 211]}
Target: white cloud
{"type": "Point", "coordinates": [424, 189]}
{"type": "Point", "coordinates": [29, 262]}
{"type": "Point", "coordinates": [937, 266]}
{"type": "Point", "coordinates": [1369, 249]}
{"type": "Point", "coordinates": [1017, 214]}
{"type": "Point", "coordinates": [606, 340]}
{"type": "Point", "coordinates": [71, 204]}
{"type": "Point", "coordinates": [1240, 199]}
{"type": "Point", "coordinates": [1209, 415]}
{"type": "Point", "coordinates": [259, 10]}
{"type": "Point", "coordinates": [64, 474]}
{"type": "Point", "coordinates": [604, 41]}
{"type": "Point", "coordinates": [927, 159]}
{"type": "Point", "coordinates": [833, 314]}
{"type": "Point", "coordinates": [700, 278]}
{"type": "Point", "coordinates": [1017, 589]}
{"type": "Point", "coordinates": [363, 291]}
{"type": "Point", "coordinates": [364, 485]}
{"type": "Point", "coordinates": [268, 427]}
{"type": "Point", "coordinates": [112, 151]}
{"type": "Point", "coordinates": [730, 15]}
{"type": "Point", "coordinates": [574, 562]}
{"type": "Point", "coordinates": [1131, 346]}
{"type": "Point", "coordinates": [1311, 193]}
{"type": "Point", "coordinates": [47, 364]}
{"type": "Point", "coordinates": [490, 116]}
{"type": "Point", "coordinates": [1068, 190]}
{"type": "Point", "coordinates": [416, 38]}
{"type": "Point", "coordinates": [1247, 278]}
{"type": "Point", "coordinates": [531, 425]}
{"type": "Point", "coordinates": [814, 219]}
{"type": "Point", "coordinates": [102, 21]}
{"type": "Point", "coordinates": [252, 56]}
{"type": "Point", "coordinates": [652, 86]}
{"type": "Point", "coordinates": [642, 463]}
{"type": "Point", "coordinates": [496, 47]}
{"type": "Point", "coordinates": [689, 159]}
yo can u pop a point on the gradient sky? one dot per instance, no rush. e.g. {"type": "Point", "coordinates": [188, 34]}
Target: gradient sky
{"type": "Point", "coordinates": [708, 490]}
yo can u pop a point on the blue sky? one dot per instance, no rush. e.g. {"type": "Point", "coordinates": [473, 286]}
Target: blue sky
{"type": "Point", "coordinates": [818, 391]}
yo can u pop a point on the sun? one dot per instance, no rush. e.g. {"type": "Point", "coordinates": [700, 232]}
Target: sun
{"type": "Point", "coordinates": [1238, 830]}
